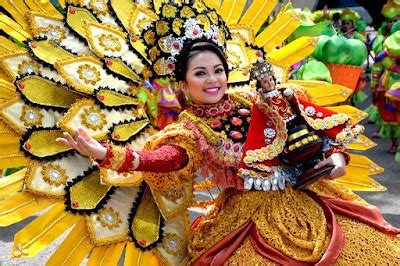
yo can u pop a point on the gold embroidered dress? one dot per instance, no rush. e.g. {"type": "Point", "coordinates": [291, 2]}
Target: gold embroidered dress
{"type": "Point", "coordinates": [81, 64]}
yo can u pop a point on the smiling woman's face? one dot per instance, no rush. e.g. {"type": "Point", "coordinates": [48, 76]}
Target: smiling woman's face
{"type": "Point", "coordinates": [205, 79]}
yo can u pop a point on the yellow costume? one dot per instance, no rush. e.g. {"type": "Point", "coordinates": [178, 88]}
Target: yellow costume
{"type": "Point", "coordinates": [83, 67]}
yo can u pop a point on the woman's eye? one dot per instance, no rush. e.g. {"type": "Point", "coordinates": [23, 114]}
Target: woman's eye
{"type": "Point", "coordinates": [219, 70]}
{"type": "Point", "coordinates": [199, 73]}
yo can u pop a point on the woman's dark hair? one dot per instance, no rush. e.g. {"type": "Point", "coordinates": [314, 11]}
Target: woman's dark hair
{"type": "Point", "coordinates": [193, 48]}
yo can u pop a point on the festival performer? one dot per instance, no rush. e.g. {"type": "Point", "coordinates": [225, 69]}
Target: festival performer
{"type": "Point", "coordinates": [267, 221]}
{"type": "Point", "coordinates": [389, 60]}
{"type": "Point", "coordinates": [104, 199]}
{"type": "Point", "coordinates": [210, 128]}
{"type": "Point", "coordinates": [349, 29]}
{"type": "Point", "coordinates": [383, 76]}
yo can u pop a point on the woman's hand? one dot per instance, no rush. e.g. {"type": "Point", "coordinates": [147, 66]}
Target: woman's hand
{"type": "Point", "coordinates": [84, 144]}
{"type": "Point", "coordinates": [338, 161]}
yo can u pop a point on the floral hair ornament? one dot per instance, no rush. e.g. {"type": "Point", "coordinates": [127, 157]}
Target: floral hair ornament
{"type": "Point", "coordinates": [178, 25]}
{"type": "Point", "coordinates": [261, 69]}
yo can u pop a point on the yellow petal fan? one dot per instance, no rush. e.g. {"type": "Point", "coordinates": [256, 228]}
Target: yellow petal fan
{"type": "Point", "coordinates": [74, 248]}
{"type": "Point", "coordinates": [49, 52]}
{"type": "Point", "coordinates": [12, 183]}
{"type": "Point", "coordinates": [231, 10]}
{"type": "Point", "coordinates": [7, 90]}
{"type": "Point", "coordinates": [17, 9]}
{"type": "Point", "coordinates": [106, 255]}
{"type": "Point", "coordinates": [278, 31]}
{"type": "Point", "coordinates": [257, 13]}
{"type": "Point", "coordinates": [329, 94]}
{"type": "Point", "coordinates": [361, 183]}
{"type": "Point", "coordinates": [42, 231]}
{"type": "Point", "coordinates": [356, 114]}
{"type": "Point", "coordinates": [216, 4]}
{"type": "Point", "coordinates": [292, 53]}
{"type": "Point", "coordinates": [362, 143]}
{"type": "Point", "coordinates": [41, 6]}
{"type": "Point", "coordinates": [13, 160]}
{"type": "Point", "coordinates": [134, 256]}
{"type": "Point", "coordinates": [361, 165]}
{"type": "Point", "coordinates": [7, 46]}
{"type": "Point", "coordinates": [20, 206]}
{"type": "Point", "coordinates": [13, 29]}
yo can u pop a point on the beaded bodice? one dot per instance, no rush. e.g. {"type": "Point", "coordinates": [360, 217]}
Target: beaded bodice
{"type": "Point", "coordinates": [228, 121]}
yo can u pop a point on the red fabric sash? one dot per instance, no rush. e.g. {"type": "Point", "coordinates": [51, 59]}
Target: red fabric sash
{"type": "Point", "coordinates": [367, 214]}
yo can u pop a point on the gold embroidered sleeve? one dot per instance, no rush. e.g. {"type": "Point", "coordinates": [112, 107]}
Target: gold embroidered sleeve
{"type": "Point", "coordinates": [175, 134]}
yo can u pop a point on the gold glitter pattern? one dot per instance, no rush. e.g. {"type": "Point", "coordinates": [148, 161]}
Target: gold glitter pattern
{"type": "Point", "coordinates": [147, 220]}
{"type": "Point", "coordinates": [86, 194]}
{"type": "Point", "coordinates": [43, 143]}
{"type": "Point", "coordinates": [289, 220]}
{"type": "Point", "coordinates": [246, 255]}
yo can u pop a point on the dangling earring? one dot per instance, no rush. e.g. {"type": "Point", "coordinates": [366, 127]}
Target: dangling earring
{"type": "Point", "coordinates": [187, 97]}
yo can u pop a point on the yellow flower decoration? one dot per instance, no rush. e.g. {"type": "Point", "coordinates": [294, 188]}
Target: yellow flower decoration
{"type": "Point", "coordinates": [203, 19]}
{"type": "Point", "coordinates": [109, 42]}
{"type": "Point", "coordinates": [154, 52]}
{"type": "Point", "coordinates": [88, 74]}
{"type": "Point", "coordinates": [169, 11]}
{"type": "Point", "coordinates": [93, 118]}
{"type": "Point", "coordinates": [213, 17]}
{"type": "Point", "coordinates": [200, 7]}
{"type": "Point", "coordinates": [149, 37]}
{"type": "Point", "coordinates": [28, 67]}
{"type": "Point", "coordinates": [55, 33]}
{"type": "Point", "coordinates": [186, 12]}
{"type": "Point", "coordinates": [31, 116]}
{"type": "Point", "coordinates": [162, 27]}
{"type": "Point", "coordinates": [54, 175]}
{"type": "Point", "coordinates": [177, 25]}
{"type": "Point", "coordinates": [109, 218]}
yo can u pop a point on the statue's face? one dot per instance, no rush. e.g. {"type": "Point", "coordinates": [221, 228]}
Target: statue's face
{"type": "Point", "coordinates": [267, 84]}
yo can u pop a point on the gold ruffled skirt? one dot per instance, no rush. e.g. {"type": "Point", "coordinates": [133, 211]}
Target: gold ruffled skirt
{"type": "Point", "coordinates": [293, 223]}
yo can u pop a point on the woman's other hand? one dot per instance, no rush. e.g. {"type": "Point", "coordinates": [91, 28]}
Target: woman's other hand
{"type": "Point", "coordinates": [338, 161]}
{"type": "Point", "coordinates": [84, 144]}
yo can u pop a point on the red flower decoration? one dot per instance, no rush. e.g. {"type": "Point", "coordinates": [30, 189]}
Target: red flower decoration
{"type": "Point", "coordinates": [171, 66]}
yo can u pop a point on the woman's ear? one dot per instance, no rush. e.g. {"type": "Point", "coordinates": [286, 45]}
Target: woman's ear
{"type": "Point", "coordinates": [183, 86]}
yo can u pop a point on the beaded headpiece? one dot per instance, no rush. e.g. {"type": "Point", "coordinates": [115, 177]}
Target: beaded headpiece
{"type": "Point", "coordinates": [178, 25]}
{"type": "Point", "coordinates": [349, 14]}
{"type": "Point", "coordinates": [261, 69]}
